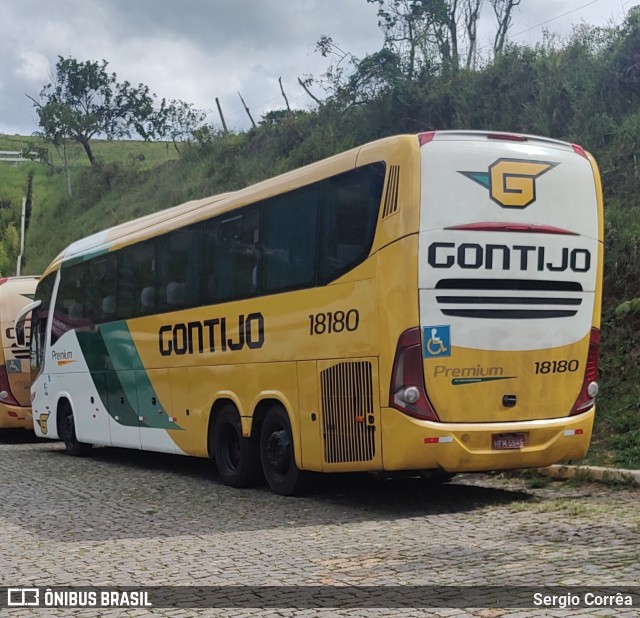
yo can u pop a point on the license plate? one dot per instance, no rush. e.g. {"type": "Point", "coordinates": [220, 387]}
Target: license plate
{"type": "Point", "coordinates": [505, 441]}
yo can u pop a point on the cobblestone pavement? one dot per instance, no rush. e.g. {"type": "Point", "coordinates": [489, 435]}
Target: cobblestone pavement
{"type": "Point", "coordinates": [125, 518]}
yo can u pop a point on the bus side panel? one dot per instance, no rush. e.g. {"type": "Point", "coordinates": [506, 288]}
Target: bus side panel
{"type": "Point", "coordinates": [259, 362]}
{"type": "Point", "coordinates": [67, 375]}
{"type": "Point", "coordinates": [206, 385]}
{"type": "Point", "coordinates": [245, 386]}
{"type": "Point", "coordinates": [155, 405]}
{"type": "Point", "coordinates": [397, 289]}
{"type": "Point", "coordinates": [309, 416]}
{"type": "Point", "coordinates": [399, 214]}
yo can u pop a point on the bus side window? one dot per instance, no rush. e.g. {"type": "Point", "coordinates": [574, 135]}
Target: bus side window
{"type": "Point", "coordinates": [349, 211]}
{"type": "Point", "coordinates": [236, 254]}
{"type": "Point", "coordinates": [100, 290]}
{"type": "Point", "coordinates": [39, 322]}
{"type": "Point", "coordinates": [136, 271]}
{"type": "Point", "coordinates": [180, 267]}
{"type": "Point", "coordinates": [290, 240]}
{"type": "Point", "coordinates": [68, 313]}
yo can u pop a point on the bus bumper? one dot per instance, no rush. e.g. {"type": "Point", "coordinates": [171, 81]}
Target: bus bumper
{"type": "Point", "coordinates": [15, 417]}
{"type": "Point", "coordinates": [412, 444]}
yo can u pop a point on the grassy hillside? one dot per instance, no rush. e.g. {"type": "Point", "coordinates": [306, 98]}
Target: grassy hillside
{"type": "Point", "coordinates": [53, 208]}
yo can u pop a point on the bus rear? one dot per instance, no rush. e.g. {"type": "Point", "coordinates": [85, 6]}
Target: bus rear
{"type": "Point", "coordinates": [502, 371]}
{"type": "Point", "coordinates": [15, 378]}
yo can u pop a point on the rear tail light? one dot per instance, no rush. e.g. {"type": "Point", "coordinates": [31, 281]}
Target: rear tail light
{"type": "Point", "coordinates": [580, 150]}
{"type": "Point", "coordinates": [426, 137]}
{"type": "Point", "coordinates": [407, 392]}
{"type": "Point", "coordinates": [589, 390]}
{"type": "Point", "coordinates": [6, 396]}
{"type": "Point", "coordinates": [512, 137]}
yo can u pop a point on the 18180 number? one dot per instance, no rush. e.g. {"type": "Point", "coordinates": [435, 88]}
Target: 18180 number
{"type": "Point", "coordinates": [561, 366]}
{"type": "Point", "coordinates": [334, 322]}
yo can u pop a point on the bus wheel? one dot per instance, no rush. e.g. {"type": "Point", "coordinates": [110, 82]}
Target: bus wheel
{"type": "Point", "coordinates": [277, 455]}
{"type": "Point", "coordinates": [236, 456]}
{"type": "Point", "coordinates": [68, 434]}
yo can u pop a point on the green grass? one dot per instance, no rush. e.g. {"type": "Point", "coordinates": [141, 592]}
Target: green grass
{"type": "Point", "coordinates": [58, 219]}
{"type": "Point", "coordinates": [147, 154]}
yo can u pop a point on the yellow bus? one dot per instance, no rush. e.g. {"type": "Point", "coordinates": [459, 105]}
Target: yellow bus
{"type": "Point", "coordinates": [425, 303]}
{"type": "Point", "coordinates": [15, 379]}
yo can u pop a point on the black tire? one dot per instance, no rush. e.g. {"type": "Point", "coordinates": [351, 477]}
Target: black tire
{"type": "Point", "coordinates": [277, 454]}
{"type": "Point", "coordinates": [68, 434]}
{"type": "Point", "coordinates": [236, 457]}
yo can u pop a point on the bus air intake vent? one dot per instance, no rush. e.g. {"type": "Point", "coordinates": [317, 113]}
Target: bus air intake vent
{"type": "Point", "coordinates": [391, 194]}
{"type": "Point", "coordinates": [508, 299]}
{"type": "Point", "coordinates": [347, 412]}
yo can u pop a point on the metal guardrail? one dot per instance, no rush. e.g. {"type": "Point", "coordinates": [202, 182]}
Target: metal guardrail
{"type": "Point", "coordinates": [15, 157]}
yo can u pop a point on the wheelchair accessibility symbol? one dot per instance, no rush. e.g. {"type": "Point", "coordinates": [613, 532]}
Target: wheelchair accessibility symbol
{"type": "Point", "coordinates": [437, 341]}
{"type": "Point", "coordinates": [14, 366]}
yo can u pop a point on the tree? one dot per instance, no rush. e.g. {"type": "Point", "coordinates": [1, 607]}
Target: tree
{"type": "Point", "coordinates": [471, 15]}
{"type": "Point", "coordinates": [5, 262]}
{"type": "Point", "coordinates": [409, 28]}
{"type": "Point", "coordinates": [427, 32]}
{"type": "Point", "coordinates": [11, 240]}
{"type": "Point", "coordinates": [503, 10]}
{"type": "Point", "coordinates": [59, 136]}
{"type": "Point", "coordinates": [83, 100]}
{"type": "Point", "coordinates": [179, 121]}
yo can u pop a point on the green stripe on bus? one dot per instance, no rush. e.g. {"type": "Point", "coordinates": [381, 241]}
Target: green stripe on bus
{"type": "Point", "coordinates": [83, 258]}
{"type": "Point", "coordinates": [108, 383]}
{"type": "Point", "coordinates": [125, 358]}
{"type": "Point", "coordinates": [120, 378]}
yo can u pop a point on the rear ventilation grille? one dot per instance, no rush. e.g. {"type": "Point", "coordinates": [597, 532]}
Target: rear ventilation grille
{"type": "Point", "coordinates": [347, 412]}
{"type": "Point", "coordinates": [391, 194]}
{"type": "Point", "coordinates": [508, 299]}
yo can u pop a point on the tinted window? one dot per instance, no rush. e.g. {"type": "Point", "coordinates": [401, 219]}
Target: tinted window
{"type": "Point", "coordinates": [100, 290]}
{"type": "Point", "coordinates": [233, 270]}
{"type": "Point", "coordinates": [69, 311]}
{"type": "Point", "coordinates": [290, 240]}
{"type": "Point", "coordinates": [349, 212]}
{"type": "Point", "coordinates": [39, 317]}
{"type": "Point", "coordinates": [180, 268]}
{"type": "Point", "coordinates": [299, 239]}
{"type": "Point", "coordinates": [137, 292]}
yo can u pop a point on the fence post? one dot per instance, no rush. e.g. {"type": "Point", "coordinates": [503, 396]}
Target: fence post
{"type": "Point", "coordinates": [22, 220]}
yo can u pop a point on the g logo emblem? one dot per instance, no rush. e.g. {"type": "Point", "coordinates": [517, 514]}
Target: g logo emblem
{"type": "Point", "coordinates": [511, 182]}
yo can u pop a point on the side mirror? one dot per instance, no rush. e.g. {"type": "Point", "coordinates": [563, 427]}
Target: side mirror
{"type": "Point", "coordinates": [21, 318]}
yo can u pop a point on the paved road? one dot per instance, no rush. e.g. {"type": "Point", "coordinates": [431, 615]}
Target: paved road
{"type": "Point", "coordinates": [124, 518]}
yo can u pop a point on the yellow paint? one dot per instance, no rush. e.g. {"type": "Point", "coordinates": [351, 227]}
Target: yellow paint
{"type": "Point", "coordinates": [541, 395]}
{"type": "Point", "coordinates": [470, 447]}
{"type": "Point", "coordinates": [513, 182]}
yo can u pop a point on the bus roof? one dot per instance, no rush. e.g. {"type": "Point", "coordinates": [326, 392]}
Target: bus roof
{"type": "Point", "coordinates": [196, 210]}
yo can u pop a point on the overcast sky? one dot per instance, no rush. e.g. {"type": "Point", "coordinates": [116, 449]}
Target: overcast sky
{"type": "Point", "coordinates": [197, 50]}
